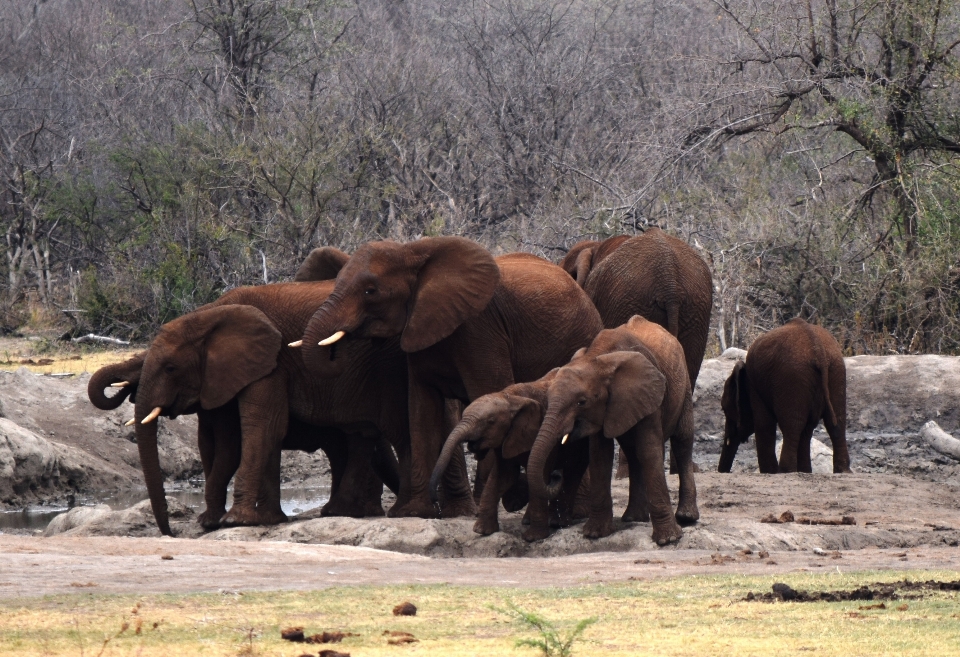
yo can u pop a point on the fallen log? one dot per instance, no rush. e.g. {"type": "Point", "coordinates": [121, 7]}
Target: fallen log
{"type": "Point", "coordinates": [91, 337]}
{"type": "Point", "coordinates": [940, 440]}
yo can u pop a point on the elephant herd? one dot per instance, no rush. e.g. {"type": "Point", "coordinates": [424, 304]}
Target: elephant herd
{"type": "Point", "coordinates": [371, 358]}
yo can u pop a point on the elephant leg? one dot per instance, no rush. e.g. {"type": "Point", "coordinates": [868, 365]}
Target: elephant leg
{"type": "Point", "coordinates": [360, 490]}
{"type": "Point", "coordinates": [649, 446]}
{"type": "Point", "coordinates": [264, 417]}
{"type": "Point", "coordinates": [765, 430]}
{"type": "Point", "coordinates": [804, 464]}
{"type": "Point", "coordinates": [637, 507]}
{"type": "Point", "coordinates": [793, 440]}
{"type": "Point", "coordinates": [681, 445]}
{"type": "Point", "coordinates": [218, 436]}
{"type": "Point", "coordinates": [268, 499]}
{"type": "Point", "coordinates": [484, 468]}
{"type": "Point", "coordinates": [426, 439]}
{"type": "Point", "coordinates": [386, 465]}
{"type": "Point", "coordinates": [623, 466]}
{"type": "Point", "coordinates": [581, 503]}
{"type": "Point", "coordinates": [517, 496]}
{"type": "Point", "coordinates": [600, 522]}
{"type": "Point", "coordinates": [502, 476]}
{"type": "Point", "coordinates": [838, 436]}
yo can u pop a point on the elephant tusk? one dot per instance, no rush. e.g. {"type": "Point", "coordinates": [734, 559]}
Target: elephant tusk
{"type": "Point", "coordinates": [563, 441]}
{"type": "Point", "coordinates": [153, 415]}
{"type": "Point", "coordinates": [333, 338]}
{"type": "Point", "coordinates": [129, 423]}
{"type": "Point", "coordinates": [121, 384]}
{"type": "Point", "coordinates": [298, 343]}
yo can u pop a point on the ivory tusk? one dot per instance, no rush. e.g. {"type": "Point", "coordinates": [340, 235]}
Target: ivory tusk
{"type": "Point", "coordinates": [153, 415]}
{"type": "Point", "coordinates": [121, 384]}
{"type": "Point", "coordinates": [564, 440]}
{"type": "Point", "coordinates": [129, 423]}
{"type": "Point", "coordinates": [298, 343]}
{"type": "Point", "coordinates": [333, 338]}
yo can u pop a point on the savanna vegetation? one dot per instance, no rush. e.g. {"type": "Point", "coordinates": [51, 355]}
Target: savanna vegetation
{"type": "Point", "coordinates": [153, 155]}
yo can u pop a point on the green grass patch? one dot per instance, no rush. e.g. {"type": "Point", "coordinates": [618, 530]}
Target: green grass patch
{"type": "Point", "coordinates": [697, 615]}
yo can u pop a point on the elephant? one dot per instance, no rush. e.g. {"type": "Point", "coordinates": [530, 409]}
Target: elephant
{"type": "Point", "coordinates": [366, 473]}
{"type": "Point", "coordinates": [321, 264]}
{"type": "Point", "coordinates": [504, 425]}
{"type": "Point", "coordinates": [470, 324]}
{"type": "Point", "coordinates": [631, 384]}
{"type": "Point", "coordinates": [654, 275]}
{"type": "Point", "coordinates": [793, 376]}
{"type": "Point", "coordinates": [232, 351]}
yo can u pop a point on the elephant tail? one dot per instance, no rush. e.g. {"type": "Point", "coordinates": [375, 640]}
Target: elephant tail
{"type": "Point", "coordinates": [673, 316]}
{"type": "Point", "coordinates": [825, 382]}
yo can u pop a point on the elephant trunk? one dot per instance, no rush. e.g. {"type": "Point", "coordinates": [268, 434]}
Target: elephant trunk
{"type": "Point", "coordinates": [104, 378]}
{"type": "Point", "coordinates": [547, 439]}
{"type": "Point", "coordinates": [331, 318]}
{"type": "Point", "coordinates": [731, 443]}
{"type": "Point", "coordinates": [150, 463]}
{"type": "Point", "coordinates": [386, 466]}
{"type": "Point", "coordinates": [460, 433]}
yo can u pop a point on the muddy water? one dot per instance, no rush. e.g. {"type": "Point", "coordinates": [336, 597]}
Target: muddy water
{"type": "Point", "coordinates": [293, 500]}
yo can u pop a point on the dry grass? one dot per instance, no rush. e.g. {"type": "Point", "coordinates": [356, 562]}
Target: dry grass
{"type": "Point", "coordinates": [48, 356]}
{"type": "Point", "coordinates": [682, 616]}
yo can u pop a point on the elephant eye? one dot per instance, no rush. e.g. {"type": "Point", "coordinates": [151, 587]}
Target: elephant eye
{"type": "Point", "coordinates": [581, 402]}
{"type": "Point", "coordinates": [370, 291]}
{"type": "Point", "coordinates": [169, 367]}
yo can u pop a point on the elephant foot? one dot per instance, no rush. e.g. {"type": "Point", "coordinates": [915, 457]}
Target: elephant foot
{"type": "Point", "coordinates": [415, 508]}
{"type": "Point", "coordinates": [535, 533]}
{"type": "Point", "coordinates": [598, 528]}
{"type": "Point", "coordinates": [351, 509]}
{"type": "Point", "coordinates": [688, 514]}
{"type": "Point", "coordinates": [463, 506]}
{"type": "Point", "coordinates": [636, 515]}
{"type": "Point", "coordinates": [525, 520]}
{"type": "Point", "coordinates": [249, 517]}
{"type": "Point", "coordinates": [486, 526]}
{"type": "Point", "coordinates": [210, 520]}
{"type": "Point", "coordinates": [666, 535]}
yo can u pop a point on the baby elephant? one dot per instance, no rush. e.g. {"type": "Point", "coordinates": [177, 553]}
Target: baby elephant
{"type": "Point", "coordinates": [505, 424]}
{"type": "Point", "coordinates": [793, 377]}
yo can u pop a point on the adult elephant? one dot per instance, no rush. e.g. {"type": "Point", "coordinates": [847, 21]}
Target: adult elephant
{"type": "Point", "coordinates": [470, 325]}
{"type": "Point", "coordinates": [794, 376]}
{"type": "Point", "coordinates": [654, 275]}
{"type": "Point", "coordinates": [233, 351]}
{"type": "Point", "coordinates": [630, 384]}
{"type": "Point", "coordinates": [219, 437]}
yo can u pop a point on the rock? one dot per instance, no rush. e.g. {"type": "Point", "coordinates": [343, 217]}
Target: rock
{"type": "Point", "coordinates": [100, 520]}
{"type": "Point", "coordinates": [821, 456]}
{"type": "Point", "coordinates": [732, 353]}
{"type": "Point", "coordinates": [940, 440]}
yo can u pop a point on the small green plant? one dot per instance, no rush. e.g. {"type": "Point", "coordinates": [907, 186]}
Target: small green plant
{"type": "Point", "coordinates": [551, 642]}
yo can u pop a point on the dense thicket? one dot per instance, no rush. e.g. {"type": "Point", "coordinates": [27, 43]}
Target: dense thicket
{"type": "Point", "coordinates": [153, 155]}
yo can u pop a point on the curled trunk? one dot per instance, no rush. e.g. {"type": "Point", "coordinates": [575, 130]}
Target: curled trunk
{"type": "Point", "coordinates": [459, 434]}
{"type": "Point", "coordinates": [323, 361]}
{"type": "Point", "coordinates": [150, 463]}
{"type": "Point", "coordinates": [546, 442]}
{"type": "Point", "coordinates": [103, 378]}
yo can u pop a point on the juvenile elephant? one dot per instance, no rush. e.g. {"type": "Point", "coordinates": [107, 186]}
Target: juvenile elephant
{"type": "Point", "coordinates": [654, 275]}
{"type": "Point", "coordinates": [349, 455]}
{"type": "Point", "coordinates": [504, 425]}
{"type": "Point", "coordinates": [631, 384]}
{"type": "Point", "coordinates": [469, 324]}
{"type": "Point", "coordinates": [793, 377]}
{"type": "Point", "coordinates": [233, 350]}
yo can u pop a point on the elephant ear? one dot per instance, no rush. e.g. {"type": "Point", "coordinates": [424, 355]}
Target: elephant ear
{"type": "Point", "coordinates": [240, 347]}
{"type": "Point", "coordinates": [524, 427]}
{"type": "Point", "coordinates": [455, 282]}
{"type": "Point", "coordinates": [636, 390]}
{"type": "Point", "coordinates": [323, 264]}
{"type": "Point", "coordinates": [735, 393]}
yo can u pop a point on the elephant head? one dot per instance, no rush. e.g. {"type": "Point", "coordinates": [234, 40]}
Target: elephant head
{"type": "Point", "coordinates": [738, 425]}
{"type": "Point", "coordinates": [421, 291]}
{"type": "Point", "coordinates": [499, 420]}
{"type": "Point", "coordinates": [584, 256]}
{"type": "Point", "coordinates": [607, 393]}
{"type": "Point", "coordinates": [322, 264]}
{"type": "Point", "coordinates": [124, 376]}
{"type": "Point", "coordinates": [199, 361]}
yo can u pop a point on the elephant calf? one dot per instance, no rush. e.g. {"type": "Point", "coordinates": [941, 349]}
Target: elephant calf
{"type": "Point", "coordinates": [505, 424]}
{"type": "Point", "coordinates": [793, 377]}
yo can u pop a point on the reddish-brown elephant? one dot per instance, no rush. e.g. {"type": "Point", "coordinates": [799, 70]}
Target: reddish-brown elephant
{"type": "Point", "coordinates": [631, 384]}
{"type": "Point", "coordinates": [654, 275]}
{"type": "Point", "coordinates": [793, 377]}
{"type": "Point", "coordinates": [235, 351]}
{"type": "Point", "coordinates": [469, 324]}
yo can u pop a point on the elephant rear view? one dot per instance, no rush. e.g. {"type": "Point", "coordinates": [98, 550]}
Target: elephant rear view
{"type": "Point", "coordinates": [654, 275]}
{"type": "Point", "coordinates": [793, 377]}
